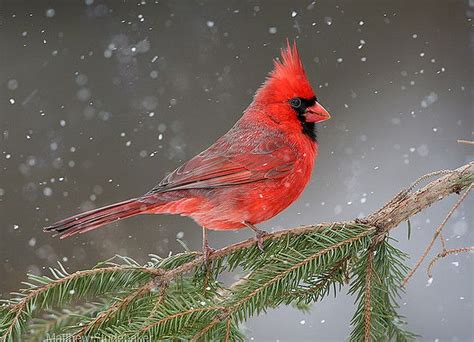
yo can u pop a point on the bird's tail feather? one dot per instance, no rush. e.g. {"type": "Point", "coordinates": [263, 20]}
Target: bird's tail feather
{"type": "Point", "coordinates": [96, 218]}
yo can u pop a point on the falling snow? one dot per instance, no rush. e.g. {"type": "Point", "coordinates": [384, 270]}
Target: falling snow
{"type": "Point", "coordinates": [102, 101]}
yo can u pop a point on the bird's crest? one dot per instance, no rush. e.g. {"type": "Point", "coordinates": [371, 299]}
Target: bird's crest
{"type": "Point", "coordinates": [287, 79]}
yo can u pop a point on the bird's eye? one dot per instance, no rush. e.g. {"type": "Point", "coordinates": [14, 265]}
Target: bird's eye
{"type": "Point", "coordinates": [295, 102]}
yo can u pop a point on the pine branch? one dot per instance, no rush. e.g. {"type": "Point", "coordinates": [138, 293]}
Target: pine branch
{"type": "Point", "coordinates": [376, 284]}
{"type": "Point", "coordinates": [44, 292]}
{"type": "Point", "coordinates": [316, 289]}
{"type": "Point", "coordinates": [268, 285]}
{"type": "Point", "coordinates": [179, 297]}
{"type": "Point", "coordinates": [56, 322]}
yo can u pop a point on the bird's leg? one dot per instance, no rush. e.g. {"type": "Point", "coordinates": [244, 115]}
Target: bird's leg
{"type": "Point", "coordinates": [206, 250]}
{"type": "Point", "coordinates": [259, 234]}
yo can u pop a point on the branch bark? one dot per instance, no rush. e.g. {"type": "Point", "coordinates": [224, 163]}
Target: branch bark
{"type": "Point", "coordinates": [406, 204]}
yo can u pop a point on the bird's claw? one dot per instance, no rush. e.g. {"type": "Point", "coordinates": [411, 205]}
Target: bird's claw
{"type": "Point", "coordinates": [259, 236]}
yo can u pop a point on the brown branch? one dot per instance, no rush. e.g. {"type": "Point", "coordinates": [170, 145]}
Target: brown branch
{"type": "Point", "coordinates": [179, 314]}
{"type": "Point", "coordinates": [435, 236]}
{"type": "Point", "coordinates": [443, 242]}
{"type": "Point", "coordinates": [323, 281]}
{"type": "Point", "coordinates": [119, 304]}
{"type": "Point", "coordinates": [227, 331]}
{"type": "Point", "coordinates": [37, 291]}
{"type": "Point", "coordinates": [427, 176]}
{"type": "Point", "coordinates": [108, 313]}
{"type": "Point", "coordinates": [161, 298]}
{"type": "Point", "coordinates": [407, 205]}
{"type": "Point", "coordinates": [468, 142]}
{"type": "Point", "coordinates": [367, 297]}
{"type": "Point", "coordinates": [444, 254]}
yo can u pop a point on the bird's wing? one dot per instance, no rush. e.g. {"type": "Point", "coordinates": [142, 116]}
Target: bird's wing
{"type": "Point", "coordinates": [232, 162]}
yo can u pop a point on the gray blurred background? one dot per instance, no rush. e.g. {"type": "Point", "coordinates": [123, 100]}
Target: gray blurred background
{"type": "Point", "coordinates": [100, 99]}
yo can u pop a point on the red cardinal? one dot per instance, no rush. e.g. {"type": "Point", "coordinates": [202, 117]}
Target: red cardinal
{"type": "Point", "coordinates": [253, 172]}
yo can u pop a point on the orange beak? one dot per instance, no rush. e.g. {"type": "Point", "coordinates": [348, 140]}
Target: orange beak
{"type": "Point", "coordinates": [316, 113]}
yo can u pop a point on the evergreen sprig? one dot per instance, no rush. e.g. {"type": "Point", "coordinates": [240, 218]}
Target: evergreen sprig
{"type": "Point", "coordinates": [376, 280]}
{"type": "Point", "coordinates": [142, 302]}
{"type": "Point", "coordinates": [57, 322]}
{"type": "Point", "coordinates": [286, 271]}
{"type": "Point", "coordinates": [46, 292]}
